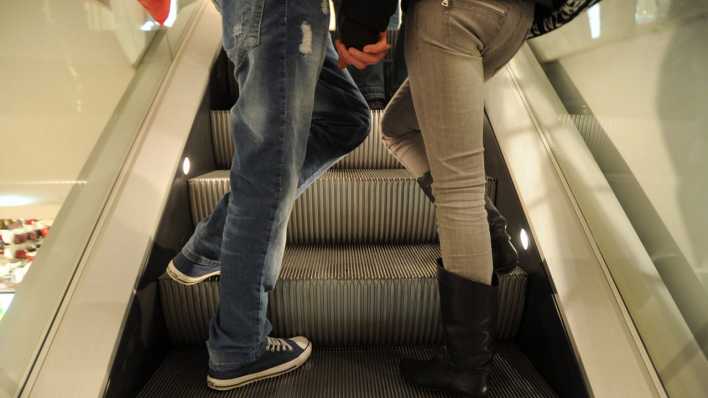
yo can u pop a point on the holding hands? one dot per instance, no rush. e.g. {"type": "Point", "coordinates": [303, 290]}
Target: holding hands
{"type": "Point", "coordinates": [371, 54]}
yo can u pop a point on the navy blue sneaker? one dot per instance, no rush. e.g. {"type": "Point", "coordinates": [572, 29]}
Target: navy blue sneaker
{"type": "Point", "coordinates": [187, 273]}
{"type": "Point", "coordinates": [280, 357]}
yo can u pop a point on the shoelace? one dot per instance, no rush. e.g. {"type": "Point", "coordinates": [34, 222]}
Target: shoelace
{"type": "Point", "coordinates": [273, 345]}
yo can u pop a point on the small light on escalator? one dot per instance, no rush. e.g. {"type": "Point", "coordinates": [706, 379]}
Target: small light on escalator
{"type": "Point", "coordinates": [524, 237]}
{"type": "Point", "coordinates": [186, 166]}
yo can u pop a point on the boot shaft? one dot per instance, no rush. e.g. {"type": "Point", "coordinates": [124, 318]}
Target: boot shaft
{"type": "Point", "coordinates": [468, 312]}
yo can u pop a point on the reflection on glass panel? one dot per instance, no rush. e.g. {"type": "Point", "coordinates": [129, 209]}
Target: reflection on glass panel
{"type": "Point", "coordinates": [5, 301]}
{"type": "Point", "coordinates": [633, 77]}
{"type": "Point", "coordinates": [64, 69]}
{"type": "Point", "coordinates": [185, 11]}
{"type": "Point", "coordinates": [19, 242]}
{"type": "Point", "coordinates": [77, 78]}
{"type": "Point", "coordinates": [62, 85]}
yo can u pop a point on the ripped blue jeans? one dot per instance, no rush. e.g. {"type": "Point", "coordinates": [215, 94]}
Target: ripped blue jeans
{"type": "Point", "coordinates": [297, 114]}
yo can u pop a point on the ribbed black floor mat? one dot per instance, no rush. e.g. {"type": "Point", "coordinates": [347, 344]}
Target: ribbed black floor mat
{"type": "Point", "coordinates": [340, 373]}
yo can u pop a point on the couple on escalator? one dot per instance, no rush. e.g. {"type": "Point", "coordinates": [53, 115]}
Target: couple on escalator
{"type": "Point", "coordinates": [299, 112]}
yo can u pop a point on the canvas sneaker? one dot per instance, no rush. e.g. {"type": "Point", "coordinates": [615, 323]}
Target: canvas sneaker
{"type": "Point", "coordinates": [281, 356]}
{"type": "Point", "coordinates": [187, 273]}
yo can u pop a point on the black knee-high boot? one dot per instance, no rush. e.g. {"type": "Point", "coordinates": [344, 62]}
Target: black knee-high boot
{"type": "Point", "coordinates": [469, 317]}
{"type": "Point", "coordinates": [504, 255]}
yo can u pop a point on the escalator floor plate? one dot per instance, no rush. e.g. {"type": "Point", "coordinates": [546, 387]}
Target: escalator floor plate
{"type": "Point", "coordinates": [346, 372]}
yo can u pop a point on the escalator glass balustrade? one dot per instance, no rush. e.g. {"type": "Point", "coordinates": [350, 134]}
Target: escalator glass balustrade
{"type": "Point", "coordinates": [630, 136]}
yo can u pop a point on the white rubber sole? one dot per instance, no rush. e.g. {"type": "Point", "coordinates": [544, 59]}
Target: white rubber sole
{"type": "Point", "coordinates": [186, 280]}
{"type": "Point", "coordinates": [230, 384]}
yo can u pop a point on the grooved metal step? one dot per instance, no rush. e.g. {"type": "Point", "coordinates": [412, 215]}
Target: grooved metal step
{"type": "Point", "coordinates": [350, 373]}
{"type": "Point", "coordinates": [345, 295]}
{"type": "Point", "coordinates": [343, 206]}
{"type": "Point", "coordinates": [371, 154]}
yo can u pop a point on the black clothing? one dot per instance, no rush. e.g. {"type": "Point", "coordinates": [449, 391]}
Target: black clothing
{"type": "Point", "coordinates": [359, 22]}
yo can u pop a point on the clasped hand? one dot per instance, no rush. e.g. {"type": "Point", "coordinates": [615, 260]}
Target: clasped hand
{"type": "Point", "coordinates": [372, 54]}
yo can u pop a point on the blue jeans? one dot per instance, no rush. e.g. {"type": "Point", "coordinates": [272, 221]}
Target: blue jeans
{"type": "Point", "coordinates": [297, 114]}
{"type": "Point", "coordinates": [370, 81]}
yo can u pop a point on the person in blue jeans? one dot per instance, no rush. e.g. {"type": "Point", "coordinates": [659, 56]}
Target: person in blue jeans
{"type": "Point", "coordinates": [297, 114]}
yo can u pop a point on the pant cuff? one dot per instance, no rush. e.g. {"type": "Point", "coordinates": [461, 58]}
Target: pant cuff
{"type": "Point", "coordinates": [230, 360]}
{"type": "Point", "coordinates": [196, 259]}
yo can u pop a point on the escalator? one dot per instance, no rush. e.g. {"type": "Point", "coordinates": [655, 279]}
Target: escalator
{"type": "Point", "coordinates": [358, 279]}
{"type": "Point", "coordinates": [598, 307]}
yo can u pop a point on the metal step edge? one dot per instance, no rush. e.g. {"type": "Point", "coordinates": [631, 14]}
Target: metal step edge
{"type": "Point", "coordinates": [361, 305]}
{"type": "Point", "coordinates": [343, 206]}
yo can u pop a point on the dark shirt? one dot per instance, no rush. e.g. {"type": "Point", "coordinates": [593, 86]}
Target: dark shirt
{"type": "Point", "coordinates": [359, 22]}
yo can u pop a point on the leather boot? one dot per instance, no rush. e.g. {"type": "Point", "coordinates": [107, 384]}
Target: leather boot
{"type": "Point", "coordinates": [468, 317]}
{"type": "Point", "coordinates": [505, 257]}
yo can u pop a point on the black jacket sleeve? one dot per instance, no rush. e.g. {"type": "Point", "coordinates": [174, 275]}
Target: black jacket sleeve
{"type": "Point", "coordinates": [359, 22]}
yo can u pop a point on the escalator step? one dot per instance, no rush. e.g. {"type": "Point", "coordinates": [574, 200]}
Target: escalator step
{"type": "Point", "coordinates": [343, 206]}
{"type": "Point", "coordinates": [371, 154]}
{"type": "Point", "coordinates": [342, 373]}
{"type": "Point", "coordinates": [344, 295]}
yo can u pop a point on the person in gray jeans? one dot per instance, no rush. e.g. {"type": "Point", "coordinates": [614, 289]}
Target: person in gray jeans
{"type": "Point", "coordinates": [434, 125]}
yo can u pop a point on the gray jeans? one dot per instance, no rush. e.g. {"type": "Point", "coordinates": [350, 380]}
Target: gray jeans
{"type": "Point", "coordinates": [435, 120]}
